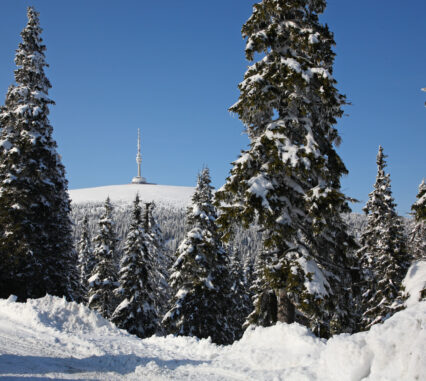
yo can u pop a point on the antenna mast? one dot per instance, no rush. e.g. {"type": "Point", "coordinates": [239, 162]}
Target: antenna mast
{"type": "Point", "coordinates": [139, 179]}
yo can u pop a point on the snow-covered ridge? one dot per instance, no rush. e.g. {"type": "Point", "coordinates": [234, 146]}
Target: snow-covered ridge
{"type": "Point", "coordinates": [51, 338]}
{"type": "Point", "coordinates": [164, 194]}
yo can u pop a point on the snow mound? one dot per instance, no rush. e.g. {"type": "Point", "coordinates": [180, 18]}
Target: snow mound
{"type": "Point", "coordinates": [51, 338]}
{"type": "Point", "coordinates": [415, 282]}
{"type": "Point", "coordinates": [58, 315]}
{"type": "Point", "coordinates": [163, 194]}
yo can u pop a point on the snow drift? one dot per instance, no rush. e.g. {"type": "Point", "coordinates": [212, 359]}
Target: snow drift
{"type": "Point", "coordinates": [50, 337]}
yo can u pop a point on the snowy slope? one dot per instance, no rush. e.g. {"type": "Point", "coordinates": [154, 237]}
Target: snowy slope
{"type": "Point", "coordinates": [50, 338]}
{"type": "Point", "coordinates": [163, 194]}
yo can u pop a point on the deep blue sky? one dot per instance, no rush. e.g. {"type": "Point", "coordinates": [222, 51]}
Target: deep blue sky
{"type": "Point", "coordinates": [172, 67]}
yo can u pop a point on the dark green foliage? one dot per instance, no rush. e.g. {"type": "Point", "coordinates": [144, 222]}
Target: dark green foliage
{"type": "Point", "coordinates": [288, 181]}
{"type": "Point", "coordinates": [136, 313]}
{"type": "Point", "coordinates": [200, 277]}
{"type": "Point", "coordinates": [36, 250]}
{"type": "Point", "coordinates": [264, 299]}
{"type": "Point", "coordinates": [383, 255]}
{"type": "Point", "coordinates": [419, 207]}
{"type": "Point", "coordinates": [240, 294]}
{"type": "Point", "coordinates": [418, 232]}
{"type": "Point", "coordinates": [103, 279]}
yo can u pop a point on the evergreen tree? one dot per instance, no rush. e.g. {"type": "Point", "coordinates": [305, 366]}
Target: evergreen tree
{"type": "Point", "coordinates": [249, 269]}
{"type": "Point", "coordinates": [418, 233]}
{"type": "Point", "coordinates": [103, 279]}
{"type": "Point", "coordinates": [240, 297]}
{"type": "Point", "coordinates": [200, 277]}
{"type": "Point", "coordinates": [86, 259]}
{"type": "Point", "coordinates": [161, 260]}
{"type": "Point", "coordinates": [288, 181]}
{"type": "Point", "coordinates": [36, 249]}
{"type": "Point", "coordinates": [136, 313]}
{"type": "Point", "coordinates": [383, 255]}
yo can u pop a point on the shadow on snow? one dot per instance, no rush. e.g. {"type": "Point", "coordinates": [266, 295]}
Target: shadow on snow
{"type": "Point", "coordinates": [121, 364]}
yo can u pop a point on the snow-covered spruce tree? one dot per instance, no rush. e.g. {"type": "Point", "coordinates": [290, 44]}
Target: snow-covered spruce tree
{"type": "Point", "coordinates": [161, 261]}
{"type": "Point", "coordinates": [36, 248]}
{"type": "Point", "coordinates": [240, 296]}
{"type": "Point", "coordinates": [200, 277]}
{"type": "Point", "coordinates": [86, 259]}
{"type": "Point", "coordinates": [136, 313]}
{"type": "Point", "coordinates": [288, 181]}
{"type": "Point", "coordinates": [103, 280]}
{"type": "Point", "coordinates": [417, 241]}
{"type": "Point", "coordinates": [383, 256]}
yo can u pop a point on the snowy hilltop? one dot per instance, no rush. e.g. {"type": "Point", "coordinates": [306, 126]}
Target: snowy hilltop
{"type": "Point", "coordinates": [52, 338]}
{"type": "Point", "coordinates": [125, 194]}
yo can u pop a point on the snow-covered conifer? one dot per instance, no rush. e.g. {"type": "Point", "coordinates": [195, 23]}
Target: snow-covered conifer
{"type": "Point", "coordinates": [288, 181]}
{"type": "Point", "coordinates": [418, 232]}
{"type": "Point", "coordinates": [200, 276]}
{"type": "Point", "coordinates": [383, 256]}
{"type": "Point", "coordinates": [161, 260]}
{"type": "Point", "coordinates": [36, 248]}
{"type": "Point", "coordinates": [241, 302]}
{"type": "Point", "coordinates": [103, 279]}
{"type": "Point", "coordinates": [86, 259]}
{"type": "Point", "coordinates": [136, 313]}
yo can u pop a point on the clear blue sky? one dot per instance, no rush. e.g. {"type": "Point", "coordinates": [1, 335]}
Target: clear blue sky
{"type": "Point", "coordinates": [172, 67]}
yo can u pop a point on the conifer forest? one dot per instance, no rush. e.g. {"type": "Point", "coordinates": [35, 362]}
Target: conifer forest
{"type": "Point", "coordinates": [277, 243]}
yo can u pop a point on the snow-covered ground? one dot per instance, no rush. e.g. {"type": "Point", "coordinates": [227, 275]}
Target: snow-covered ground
{"type": "Point", "coordinates": [50, 338]}
{"type": "Point", "coordinates": [165, 194]}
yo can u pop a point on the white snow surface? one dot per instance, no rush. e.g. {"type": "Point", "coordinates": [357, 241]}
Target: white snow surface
{"type": "Point", "coordinates": [51, 338]}
{"type": "Point", "coordinates": [414, 282]}
{"type": "Point", "coordinates": [163, 194]}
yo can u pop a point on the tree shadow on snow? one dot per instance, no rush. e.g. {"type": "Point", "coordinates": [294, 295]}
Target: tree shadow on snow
{"type": "Point", "coordinates": [121, 364]}
{"type": "Point", "coordinates": [20, 378]}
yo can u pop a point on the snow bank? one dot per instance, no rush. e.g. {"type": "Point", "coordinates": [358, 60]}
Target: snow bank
{"type": "Point", "coordinates": [50, 338]}
{"type": "Point", "coordinates": [165, 194]}
{"type": "Point", "coordinates": [415, 282]}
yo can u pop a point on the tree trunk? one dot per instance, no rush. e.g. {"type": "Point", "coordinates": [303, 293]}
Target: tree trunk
{"type": "Point", "coordinates": [267, 309]}
{"type": "Point", "coordinates": [285, 308]}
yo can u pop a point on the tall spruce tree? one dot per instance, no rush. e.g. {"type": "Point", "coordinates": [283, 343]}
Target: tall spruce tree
{"type": "Point", "coordinates": [418, 233]}
{"type": "Point", "coordinates": [383, 255]}
{"type": "Point", "coordinates": [36, 248]}
{"type": "Point", "coordinates": [161, 261]}
{"type": "Point", "coordinates": [86, 259]}
{"type": "Point", "coordinates": [240, 293]}
{"type": "Point", "coordinates": [103, 279]}
{"type": "Point", "coordinates": [288, 181]}
{"type": "Point", "coordinates": [136, 313]}
{"type": "Point", "coordinates": [200, 276]}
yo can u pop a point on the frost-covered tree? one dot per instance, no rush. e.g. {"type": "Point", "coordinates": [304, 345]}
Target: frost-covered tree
{"type": "Point", "coordinates": [136, 313]}
{"type": "Point", "coordinates": [103, 280]}
{"type": "Point", "coordinates": [36, 247]}
{"type": "Point", "coordinates": [383, 255]}
{"type": "Point", "coordinates": [160, 258]}
{"type": "Point", "coordinates": [200, 277]}
{"type": "Point", "coordinates": [241, 303]}
{"type": "Point", "coordinates": [288, 181]}
{"type": "Point", "coordinates": [86, 259]}
{"type": "Point", "coordinates": [418, 232]}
